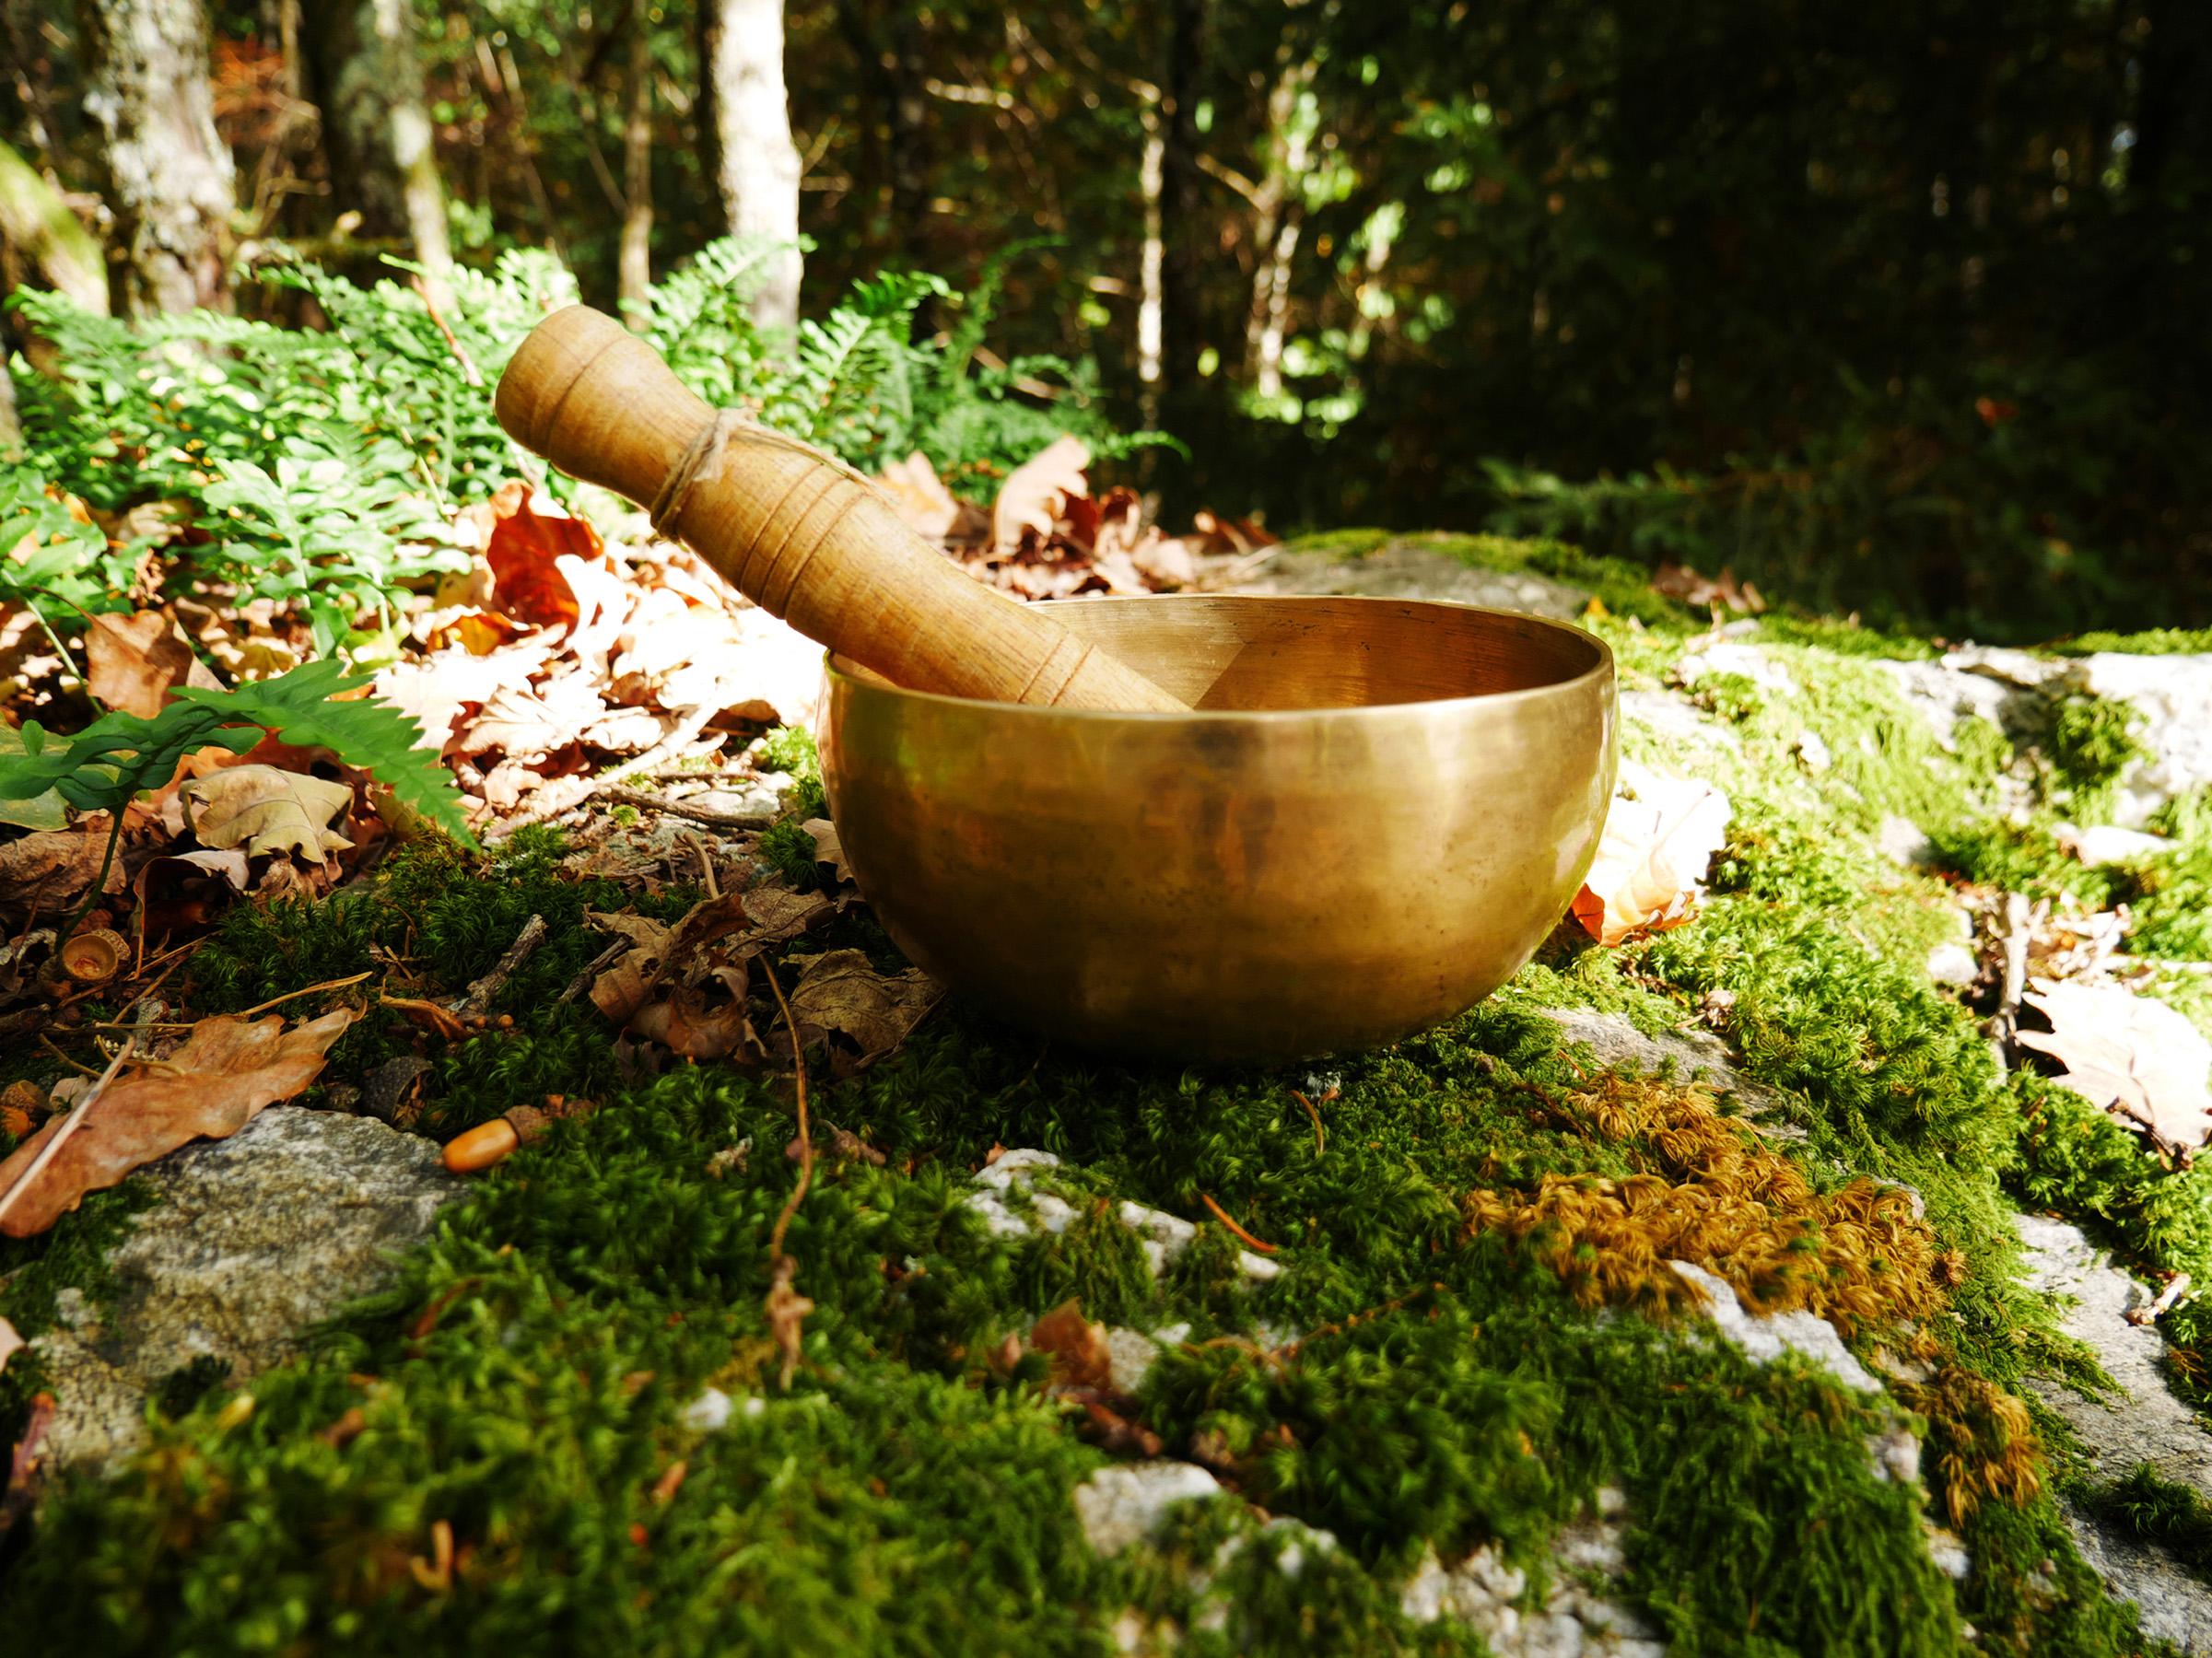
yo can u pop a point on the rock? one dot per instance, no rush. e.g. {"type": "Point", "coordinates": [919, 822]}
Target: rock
{"type": "Point", "coordinates": [1409, 570]}
{"type": "Point", "coordinates": [1697, 1056]}
{"type": "Point", "coordinates": [2172, 1603]}
{"type": "Point", "coordinates": [1749, 661]}
{"type": "Point", "coordinates": [2144, 1423]}
{"type": "Point", "coordinates": [1575, 1619]}
{"type": "Point", "coordinates": [1162, 1236]}
{"type": "Point", "coordinates": [255, 1238]}
{"type": "Point", "coordinates": [2019, 693]}
{"type": "Point", "coordinates": [2108, 843]}
{"type": "Point", "coordinates": [1954, 964]}
{"type": "Point", "coordinates": [1132, 1353]}
{"type": "Point", "coordinates": [1669, 714]}
{"type": "Point", "coordinates": [1127, 1503]}
{"type": "Point", "coordinates": [1902, 841]}
{"type": "Point", "coordinates": [1763, 1340]}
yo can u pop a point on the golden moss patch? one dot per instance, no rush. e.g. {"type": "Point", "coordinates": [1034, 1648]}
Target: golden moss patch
{"type": "Point", "coordinates": [1709, 1191]}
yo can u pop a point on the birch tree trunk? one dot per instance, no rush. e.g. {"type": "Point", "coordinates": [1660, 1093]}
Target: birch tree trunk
{"type": "Point", "coordinates": [1277, 229]}
{"type": "Point", "coordinates": [756, 165]}
{"type": "Point", "coordinates": [366, 78]}
{"type": "Point", "coordinates": [171, 183]}
{"type": "Point", "coordinates": [1149, 176]}
{"type": "Point", "coordinates": [635, 273]}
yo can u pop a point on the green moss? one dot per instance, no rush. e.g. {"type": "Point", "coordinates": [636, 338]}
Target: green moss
{"type": "Point", "coordinates": [2093, 741]}
{"type": "Point", "coordinates": [2155, 641]}
{"type": "Point", "coordinates": [2159, 1510]}
{"type": "Point", "coordinates": [2077, 1159]}
{"type": "Point", "coordinates": [791, 749]}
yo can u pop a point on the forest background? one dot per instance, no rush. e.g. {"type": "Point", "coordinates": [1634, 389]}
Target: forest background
{"type": "Point", "coordinates": [1898, 310]}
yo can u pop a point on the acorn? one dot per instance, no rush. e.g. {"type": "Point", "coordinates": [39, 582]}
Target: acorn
{"type": "Point", "coordinates": [95, 955]}
{"type": "Point", "coordinates": [22, 1104]}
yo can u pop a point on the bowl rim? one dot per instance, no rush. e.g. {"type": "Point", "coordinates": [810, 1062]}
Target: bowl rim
{"type": "Point", "coordinates": [1601, 671]}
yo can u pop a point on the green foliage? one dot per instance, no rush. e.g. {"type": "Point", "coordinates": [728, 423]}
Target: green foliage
{"type": "Point", "coordinates": [119, 754]}
{"type": "Point", "coordinates": [49, 557]}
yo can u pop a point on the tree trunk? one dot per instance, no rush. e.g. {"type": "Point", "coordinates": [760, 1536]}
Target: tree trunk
{"type": "Point", "coordinates": [1149, 303]}
{"type": "Point", "coordinates": [1183, 217]}
{"type": "Point", "coordinates": [366, 78]}
{"type": "Point", "coordinates": [1276, 229]}
{"type": "Point", "coordinates": [635, 272]}
{"type": "Point", "coordinates": [894, 73]}
{"type": "Point", "coordinates": [170, 182]}
{"type": "Point", "coordinates": [38, 229]}
{"type": "Point", "coordinates": [756, 165]}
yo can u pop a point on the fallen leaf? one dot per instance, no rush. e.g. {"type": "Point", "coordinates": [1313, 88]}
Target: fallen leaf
{"type": "Point", "coordinates": [842, 993]}
{"type": "Point", "coordinates": [827, 849]}
{"type": "Point", "coordinates": [919, 496]}
{"type": "Point", "coordinates": [1037, 492]}
{"type": "Point", "coordinates": [1717, 592]}
{"type": "Point", "coordinates": [1081, 1358]}
{"type": "Point", "coordinates": [10, 1343]}
{"type": "Point", "coordinates": [53, 868]}
{"type": "Point", "coordinates": [268, 810]}
{"type": "Point", "coordinates": [133, 661]}
{"type": "Point", "coordinates": [190, 889]}
{"type": "Point", "coordinates": [210, 1088]}
{"type": "Point", "coordinates": [529, 537]}
{"type": "Point", "coordinates": [2133, 1056]}
{"type": "Point", "coordinates": [685, 1024]}
{"type": "Point", "coordinates": [1659, 838]}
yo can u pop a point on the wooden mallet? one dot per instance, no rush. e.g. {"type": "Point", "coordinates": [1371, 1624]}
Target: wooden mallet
{"type": "Point", "coordinates": [801, 534]}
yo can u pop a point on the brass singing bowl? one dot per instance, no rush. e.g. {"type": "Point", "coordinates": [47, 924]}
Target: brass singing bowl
{"type": "Point", "coordinates": [1374, 814]}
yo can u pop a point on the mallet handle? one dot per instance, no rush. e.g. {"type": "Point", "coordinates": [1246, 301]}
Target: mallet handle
{"type": "Point", "coordinates": [807, 539]}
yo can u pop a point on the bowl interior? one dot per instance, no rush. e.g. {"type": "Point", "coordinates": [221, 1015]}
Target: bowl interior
{"type": "Point", "coordinates": [1224, 652]}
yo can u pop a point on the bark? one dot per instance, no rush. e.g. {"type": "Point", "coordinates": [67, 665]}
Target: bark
{"type": "Point", "coordinates": [38, 229]}
{"type": "Point", "coordinates": [1151, 174]}
{"type": "Point", "coordinates": [171, 183]}
{"type": "Point", "coordinates": [756, 165]}
{"type": "Point", "coordinates": [366, 78]}
{"type": "Point", "coordinates": [1183, 217]}
{"type": "Point", "coordinates": [635, 272]}
{"type": "Point", "coordinates": [1276, 229]}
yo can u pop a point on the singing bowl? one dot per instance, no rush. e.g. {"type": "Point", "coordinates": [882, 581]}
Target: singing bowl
{"type": "Point", "coordinates": [1373, 816]}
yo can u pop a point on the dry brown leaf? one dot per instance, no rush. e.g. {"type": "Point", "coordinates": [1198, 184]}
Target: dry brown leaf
{"type": "Point", "coordinates": [210, 1088]}
{"type": "Point", "coordinates": [1717, 592]}
{"type": "Point", "coordinates": [842, 993]}
{"type": "Point", "coordinates": [1659, 837]}
{"type": "Point", "coordinates": [919, 496]}
{"type": "Point", "coordinates": [828, 850]}
{"type": "Point", "coordinates": [685, 1024]}
{"type": "Point", "coordinates": [1080, 1357]}
{"type": "Point", "coordinates": [55, 866]}
{"type": "Point", "coordinates": [2133, 1056]}
{"type": "Point", "coordinates": [1036, 493]}
{"type": "Point", "coordinates": [267, 810]}
{"type": "Point", "coordinates": [439, 689]}
{"type": "Point", "coordinates": [131, 662]}
{"type": "Point", "coordinates": [528, 538]}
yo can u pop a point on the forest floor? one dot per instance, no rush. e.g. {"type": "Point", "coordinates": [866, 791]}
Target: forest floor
{"type": "Point", "coordinates": [1746, 1286]}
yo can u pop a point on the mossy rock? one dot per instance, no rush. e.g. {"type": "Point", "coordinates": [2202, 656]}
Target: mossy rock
{"type": "Point", "coordinates": [562, 1426]}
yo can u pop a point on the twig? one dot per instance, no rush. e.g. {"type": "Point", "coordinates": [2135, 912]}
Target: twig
{"type": "Point", "coordinates": [1320, 1140]}
{"type": "Point", "coordinates": [714, 888]}
{"type": "Point", "coordinates": [714, 817]}
{"type": "Point", "coordinates": [786, 1306]}
{"type": "Point", "coordinates": [593, 968]}
{"type": "Point", "coordinates": [1222, 1215]}
{"type": "Point", "coordinates": [658, 755]}
{"type": "Point", "coordinates": [69, 1126]}
{"type": "Point", "coordinates": [2021, 922]}
{"type": "Point", "coordinates": [249, 1013]}
{"type": "Point", "coordinates": [468, 368]}
{"type": "Point", "coordinates": [478, 1000]}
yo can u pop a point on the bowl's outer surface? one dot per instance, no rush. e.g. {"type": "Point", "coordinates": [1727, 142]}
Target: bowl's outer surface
{"type": "Point", "coordinates": [1379, 810]}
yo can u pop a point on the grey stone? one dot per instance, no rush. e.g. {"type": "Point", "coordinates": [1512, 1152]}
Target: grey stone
{"type": "Point", "coordinates": [1669, 714]}
{"type": "Point", "coordinates": [1576, 1618]}
{"type": "Point", "coordinates": [1407, 570]}
{"type": "Point", "coordinates": [255, 1238]}
{"type": "Point", "coordinates": [1902, 841]}
{"type": "Point", "coordinates": [2172, 1603]}
{"type": "Point", "coordinates": [1696, 1056]}
{"type": "Point", "coordinates": [1764, 1340]}
{"type": "Point", "coordinates": [1127, 1503]}
{"type": "Point", "coordinates": [2019, 693]}
{"type": "Point", "coordinates": [1954, 964]}
{"type": "Point", "coordinates": [2143, 1422]}
{"type": "Point", "coordinates": [1725, 655]}
{"type": "Point", "coordinates": [1160, 1236]}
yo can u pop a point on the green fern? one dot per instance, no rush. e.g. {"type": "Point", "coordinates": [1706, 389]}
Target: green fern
{"type": "Point", "coordinates": [103, 766]}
